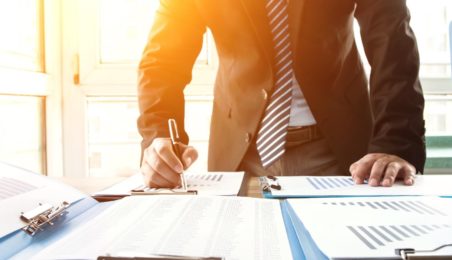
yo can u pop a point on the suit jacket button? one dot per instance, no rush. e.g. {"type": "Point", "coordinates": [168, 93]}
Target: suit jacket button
{"type": "Point", "coordinates": [264, 94]}
{"type": "Point", "coordinates": [248, 137]}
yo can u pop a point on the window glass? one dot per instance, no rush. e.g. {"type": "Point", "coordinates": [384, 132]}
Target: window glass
{"type": "Point", "coordinates": [22, 138]}
{"type": "Point", "coordinates": [124, 28]}
{"type": "Point", "coordinates": [114, 141]}
{"type": "Point", "coordinates": [430, 22]}
{"type": "Point", "coordinates": [438, 114]}
{"type": "Point", "coordinates": [20, 44]}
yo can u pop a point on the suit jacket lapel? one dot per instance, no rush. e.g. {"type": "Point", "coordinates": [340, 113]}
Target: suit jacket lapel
{"type": "Point", "coordinates": [257, 14]}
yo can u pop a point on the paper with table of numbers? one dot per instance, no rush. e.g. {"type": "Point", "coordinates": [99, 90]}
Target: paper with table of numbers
{"type": "Point", "coordinates": [231, 227]}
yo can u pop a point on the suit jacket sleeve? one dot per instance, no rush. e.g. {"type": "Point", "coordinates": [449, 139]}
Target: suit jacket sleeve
{"type": "Point", "coordinates": [166, 66]}
{"type": "Point", "coordinates": [396, 97]}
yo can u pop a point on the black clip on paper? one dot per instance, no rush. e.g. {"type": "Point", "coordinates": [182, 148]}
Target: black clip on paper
{"type": "Point", "coordinates": [270, 182]}
{"type": "Point", "coordinates": [410, 253]}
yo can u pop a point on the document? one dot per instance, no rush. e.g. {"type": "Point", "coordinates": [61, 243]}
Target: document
{"type": "Point", "coordinates": [208, 183]}
{"type": "Point", "coordinates": [337, 186]}
{"type": "Point", "coordinates": [356, 228]}
{"type": "Point", "coordinates": [22, 191]}
{"type": "Point", "coordinates": [231, 227]}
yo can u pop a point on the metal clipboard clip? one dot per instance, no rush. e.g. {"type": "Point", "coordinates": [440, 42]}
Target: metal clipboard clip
{"type": "Point", "coordinates": [411, 253]}
{"type": "Point", "coordinates": [41, 216]}
{"type": "Point", "coordinates": [144, 190]}
{"type": "Point", "coordinates": [269, 182]}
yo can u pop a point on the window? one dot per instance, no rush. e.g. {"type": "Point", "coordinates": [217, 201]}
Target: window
{"type": "Point", "coordinates": [21, 29]}
{"type": "Point", "coordinates": [22, 137]}
{"type": "Point", "coordinates": [113, 141]}
{"type": "Point", "coordinates": [123, 34]}
{"type": "Point", "coordinates": [23, 86]}
{"type": "Point", "coordinates": [103, 107]}
{"type": "Point", "coordinates": [430, 21]}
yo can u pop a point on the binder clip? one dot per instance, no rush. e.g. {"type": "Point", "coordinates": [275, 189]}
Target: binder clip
{"type": "Point", "coordinates": [269, 182]}
{"type": "Point", "coordinates": [41, 216]}
{"type": "Point", "coordinates": [413, 254]}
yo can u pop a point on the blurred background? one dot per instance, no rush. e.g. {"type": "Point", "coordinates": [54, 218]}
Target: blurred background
{"type": "Point", "coordinates": [68, 75]}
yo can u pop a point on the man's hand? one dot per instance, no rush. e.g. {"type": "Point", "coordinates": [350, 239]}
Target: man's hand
{"type": "Point", "coordinates": [161, 167]}
{"type": "Point", "coordinates": [382, 169]}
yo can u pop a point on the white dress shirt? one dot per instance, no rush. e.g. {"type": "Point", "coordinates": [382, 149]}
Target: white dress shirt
{"type": "Point", "coordinates": [300, 113]}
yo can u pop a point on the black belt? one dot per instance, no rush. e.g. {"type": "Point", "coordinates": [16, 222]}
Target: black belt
{"type": "Point", "coordinates": [301, 135]}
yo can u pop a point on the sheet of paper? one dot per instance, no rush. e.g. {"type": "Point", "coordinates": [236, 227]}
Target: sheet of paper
{"type": "Point", "coordinates": [375, 227]}
{"type": "Point", "coordinates": [233, 227]}
{"type": "Point", "coordinates": [21, 191]}
{"type": "Point", "coordinates": [209, 183]}
{"type": "Point", "coordinates": [334, 186]}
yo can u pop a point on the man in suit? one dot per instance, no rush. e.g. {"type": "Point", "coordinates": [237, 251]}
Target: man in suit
{"type": "Point", "coordinates": [291, 96]}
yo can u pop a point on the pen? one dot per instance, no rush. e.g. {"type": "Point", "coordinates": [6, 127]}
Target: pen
{"type": "Point", "coordinates": [174, 134]}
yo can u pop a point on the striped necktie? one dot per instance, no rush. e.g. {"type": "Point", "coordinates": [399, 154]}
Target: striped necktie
{"type": "Point", "coordinates": [271, 137]}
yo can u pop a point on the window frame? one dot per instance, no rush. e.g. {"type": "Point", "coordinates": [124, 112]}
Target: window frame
{"type": "Point", "coordinates": [43, 83]}
{"type": "Point", "coordinates": [81, 41]}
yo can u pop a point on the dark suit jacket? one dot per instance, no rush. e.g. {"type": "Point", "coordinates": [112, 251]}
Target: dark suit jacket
{"type": "Point", "coordinates": [356, 119]}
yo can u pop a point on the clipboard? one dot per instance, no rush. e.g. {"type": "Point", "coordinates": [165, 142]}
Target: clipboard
{"type": "Point", "coordinates": [159, 257]}
{"type": "Point", "coordinates": [205, 183]}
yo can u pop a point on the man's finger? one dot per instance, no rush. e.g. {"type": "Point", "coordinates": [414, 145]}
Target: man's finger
{"type": "Point", "coordinates": [189, 156]}
{"type": "Point", "coordinates": [157, 181]}
{"type": "Point", "coordinates": [153, 179]}
{"type": "Point", "coordinates": [410, 174]}
{"type": "Point", "coordinates": [353, 167]}
{"type": "Point", "coordinates": [392, 170]}
{"type": "Point", "coordinates": [165, 151]}
{"type": "Point", "coordinates": [378, 171]}
{"type": "Point", "coordinates": [361, 171]}
{"type": "Point", "coordinates": [160, 167]}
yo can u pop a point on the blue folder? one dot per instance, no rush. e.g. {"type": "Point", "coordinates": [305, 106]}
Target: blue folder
{"type": "Point", "coordinates": [302, 245]}
{"type": "Point", "coordinates": [20, 245]}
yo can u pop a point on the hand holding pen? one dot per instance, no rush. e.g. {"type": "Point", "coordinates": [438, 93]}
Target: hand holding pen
{"type": "Point", "coordinates": [161, 167]}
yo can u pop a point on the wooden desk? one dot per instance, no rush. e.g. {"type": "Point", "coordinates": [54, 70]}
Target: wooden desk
{"type": "Point", "coordinates": [89, 185]}
{"type": "Point", "coordinates": [252, 188]}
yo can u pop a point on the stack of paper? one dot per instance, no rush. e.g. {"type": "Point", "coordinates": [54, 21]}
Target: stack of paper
{"type": "Point", "coordinates": [357, 228]}
{"type": "Point", "coordinates": [230, 227]}
{"type": "Point", "coordinates": [208, 183]}
{"type": "Point", "coordinates": [342, 186]}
